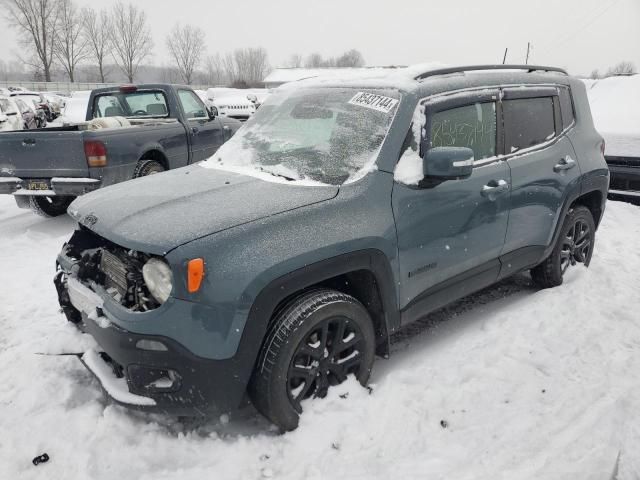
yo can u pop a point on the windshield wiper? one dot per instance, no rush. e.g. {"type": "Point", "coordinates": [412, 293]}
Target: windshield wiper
{"type": "Point", "coordinates": [291, 179]}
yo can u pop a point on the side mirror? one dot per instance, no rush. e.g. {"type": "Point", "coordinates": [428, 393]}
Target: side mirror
{"type": "Point", "coordinates": [213, 112]}
{"type": "Point", "coordinates": [448, 163]}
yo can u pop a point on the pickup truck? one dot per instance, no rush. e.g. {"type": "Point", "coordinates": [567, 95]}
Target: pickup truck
{"type": "Point", "coordinates": [129, 131]}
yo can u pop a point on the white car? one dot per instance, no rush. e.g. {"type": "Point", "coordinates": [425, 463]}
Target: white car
{"type": "Point", "coordinates": [10, 116]}
{"type": "Point", "coordinates": [232, 102]}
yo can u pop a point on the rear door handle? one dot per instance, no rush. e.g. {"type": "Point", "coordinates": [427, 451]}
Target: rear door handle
{"type": "Point", "coordinates": [195, 130]}
{"type": "Point", "coordinates": [565, 164]}
{"type": "Point", "coordinates": [28, 142]}
{"type": "Point", "coordinates": [494, 188]}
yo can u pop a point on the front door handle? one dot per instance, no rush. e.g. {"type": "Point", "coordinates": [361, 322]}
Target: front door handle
{"type": "Point", "coordinates": [565, 164]}
{"type": "Point", "coordinates": [494, 188]}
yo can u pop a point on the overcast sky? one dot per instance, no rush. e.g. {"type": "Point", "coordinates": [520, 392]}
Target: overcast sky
{"type": "Point", "coordinates": [577, 34]}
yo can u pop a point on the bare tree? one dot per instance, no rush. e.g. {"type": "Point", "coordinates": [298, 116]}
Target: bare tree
{"type": "Point", "coordinates": [36, 21]}
{"type": "Point", "coordinates": [70, 46]}
{"type": "Point", "coordinates": [314, 60]}
{"type": "Point", "coordinates": [351, 58]}
{"type": "Point", "coordinates": [595, 74]}
{"type": "Point", "coordinates": [186, 45]}
{"type": "Point", "coordinates": [622, 68]}
{"type": "Point", "coordinates": [295, 61]}
{"type": "Point", "coordinates": [246, 66]}
{"type": "Point", "coordinates": [214, 70]}
{"type": "Point", "coordinates": [131, 38]}
{"type": "Point", "coordinates": [97, 33]}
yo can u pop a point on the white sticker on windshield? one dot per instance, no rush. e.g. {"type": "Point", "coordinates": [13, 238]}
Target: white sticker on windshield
{"type": "Point", "coordinates": [373, 101]}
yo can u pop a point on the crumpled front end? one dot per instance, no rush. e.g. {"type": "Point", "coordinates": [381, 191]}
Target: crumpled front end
{"type": "Point", "coordinates": [102, 291]}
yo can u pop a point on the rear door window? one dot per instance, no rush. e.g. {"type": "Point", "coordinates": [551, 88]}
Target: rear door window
{"type": "Point", "coordinates": [566, 106]}
{"type": "Point", "coordinates": [528, 122]}
{"type": "Point", "coordinates": [471, 126]}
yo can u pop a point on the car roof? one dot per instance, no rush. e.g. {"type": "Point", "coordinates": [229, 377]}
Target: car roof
{"type": "Point", "coordinates": [429, 79]}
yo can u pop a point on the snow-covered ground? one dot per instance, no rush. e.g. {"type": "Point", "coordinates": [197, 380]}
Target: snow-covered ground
{"type": "Point", "coordinates": [513, 383]}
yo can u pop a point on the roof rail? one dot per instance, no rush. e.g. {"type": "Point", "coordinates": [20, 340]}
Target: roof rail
{"type": "Point", "coordinates": [476, 68]}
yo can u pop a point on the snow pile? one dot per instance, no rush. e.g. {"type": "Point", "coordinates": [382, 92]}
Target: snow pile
{"type": "Point", "coordinates": [410, 168]}
{"type": "Point", "coordinates": [614, 105]}
{"type": "Point", "coordinates": [513, 383]}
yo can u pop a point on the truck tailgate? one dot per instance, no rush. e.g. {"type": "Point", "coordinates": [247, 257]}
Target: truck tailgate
{"type": "Point", "coordinates": [42, 154]}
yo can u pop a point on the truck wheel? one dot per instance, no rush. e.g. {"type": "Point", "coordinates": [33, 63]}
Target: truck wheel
{"type": "Point", "coordinates": [147, 167]}
{"type": "Point", "coordinates": [315, 342]}
{"type": "Point", "coordinates": [49, 206]}
{"type": "Point", "coordinates": [574, 245]}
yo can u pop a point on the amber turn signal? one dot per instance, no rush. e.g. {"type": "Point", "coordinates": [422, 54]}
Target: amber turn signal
{"type": "Point", "coordinates": [195, 274]}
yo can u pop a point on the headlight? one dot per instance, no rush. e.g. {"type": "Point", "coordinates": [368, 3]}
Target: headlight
{"type": "Point", "coordinates": [159, 279]}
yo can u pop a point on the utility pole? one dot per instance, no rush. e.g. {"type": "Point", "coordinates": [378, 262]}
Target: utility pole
{"type": "Point", "coordinates": [528, 50]}
{"type": "Point", "coordinates": [504, 59]}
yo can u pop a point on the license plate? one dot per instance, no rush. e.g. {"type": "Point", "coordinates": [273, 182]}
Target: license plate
{"type": "Point", "coordinates": [37, 185]}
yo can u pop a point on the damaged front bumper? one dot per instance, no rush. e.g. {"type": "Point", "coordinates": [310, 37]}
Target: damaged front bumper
{"type": "Point", "coordinates": [145, 371]}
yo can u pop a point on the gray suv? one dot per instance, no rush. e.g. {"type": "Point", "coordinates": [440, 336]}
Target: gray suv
{"type": "Point", "coordinates": [340, 212]}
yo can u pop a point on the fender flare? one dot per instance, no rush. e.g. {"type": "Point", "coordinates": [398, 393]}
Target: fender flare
{"type": "Point", "coordinates": [598, 183]}
{"type": "Point", "coordinates": [281, 288]}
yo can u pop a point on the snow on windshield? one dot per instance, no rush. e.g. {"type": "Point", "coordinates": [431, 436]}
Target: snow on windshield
{"type": "Point", "coordinates": [312, 135]}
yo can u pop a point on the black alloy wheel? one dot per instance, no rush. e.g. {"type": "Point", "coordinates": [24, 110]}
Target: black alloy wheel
{"type": "Point", "coordinates": [324, 358]}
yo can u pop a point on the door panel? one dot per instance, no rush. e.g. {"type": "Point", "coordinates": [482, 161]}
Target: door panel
{"type": "Point", "coordinates": [537, 194]}
{"type": "Point", "coordinates": [449, 229]}
{"type": "Point", "coordinates": [206, 138]}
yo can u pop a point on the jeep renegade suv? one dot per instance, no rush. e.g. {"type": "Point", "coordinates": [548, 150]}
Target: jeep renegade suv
{"type": "Point", "coordinates": [340, 212]}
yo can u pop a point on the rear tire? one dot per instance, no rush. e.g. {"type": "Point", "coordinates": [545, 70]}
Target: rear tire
{"type": "Point", "coordinates": [49, 206]}
{"type": "Point", "coordinates": [147, 167]}
{"type": "Point", "coordinates": [574, 245]}
{"type": "Point", "coordinates": [315, 342]}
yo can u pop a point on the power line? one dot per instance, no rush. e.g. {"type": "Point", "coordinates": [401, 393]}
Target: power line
{"type": "Point", "coordinates": [562, 39]}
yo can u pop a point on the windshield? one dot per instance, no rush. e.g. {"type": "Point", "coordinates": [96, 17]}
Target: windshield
{"type": "Point", "coordinates": [326, 135]}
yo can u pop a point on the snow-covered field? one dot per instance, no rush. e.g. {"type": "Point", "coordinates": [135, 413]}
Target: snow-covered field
{"type": "Point", "coordinates": [513, 383]}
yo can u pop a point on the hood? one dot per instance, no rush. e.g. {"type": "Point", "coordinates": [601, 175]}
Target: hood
{"type": "Point", "coordinates": [158, 213]}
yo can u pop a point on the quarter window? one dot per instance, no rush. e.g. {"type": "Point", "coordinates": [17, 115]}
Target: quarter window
{"type": "Point", "coordinates": [471, 126]}
{"type": "Point", "coordinates": [528, 122]}
{"type": "Point", "coordinates": [566, 107]}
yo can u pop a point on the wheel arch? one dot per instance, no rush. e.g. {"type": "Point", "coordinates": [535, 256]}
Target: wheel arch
{"type": "Point", "coordinates": [157, 155]}
{"type": "Point", "coordinates": [591, 194]}
{"type": "Point", "coordinates": [364, 274]}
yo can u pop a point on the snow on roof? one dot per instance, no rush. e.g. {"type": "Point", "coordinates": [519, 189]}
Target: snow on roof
{"type": "Point", "coordinates": [613, 103]}
{"type": "Point", "coordinates": [284, 75]}
{"type": "Point", "coordinates": [380, 76]}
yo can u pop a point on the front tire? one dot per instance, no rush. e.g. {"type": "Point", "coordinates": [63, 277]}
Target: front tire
{"type": "Point", "coordinates": [316, 341]}
{"type": "Point", "coordinates": [49, 206]}
{"type": "Point", "coordinates": [574, 245]}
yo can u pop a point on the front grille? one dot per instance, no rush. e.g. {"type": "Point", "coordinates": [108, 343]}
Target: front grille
{"type": "Point", "coordinates": [115, 271]}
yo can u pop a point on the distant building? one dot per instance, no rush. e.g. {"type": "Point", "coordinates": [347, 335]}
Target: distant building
{"type": "Point", "coordinates": [284, 75]}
